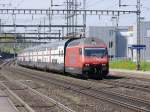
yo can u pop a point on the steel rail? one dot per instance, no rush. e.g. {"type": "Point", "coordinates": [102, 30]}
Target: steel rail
{"type": "Point", "coordinates": [26, 87]}
{"type": "Point", "coordinates": [48, 98]}
{"type": "Point", "coordinates": [128, 85]}
{"type": "Point", "coordinates": [99, 94]}
{"type": "Point", "coordinates": [62, 106]}
{"type": "Point", "coordinates": [18, 98]}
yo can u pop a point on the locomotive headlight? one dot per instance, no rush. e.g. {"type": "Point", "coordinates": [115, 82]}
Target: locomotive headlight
{"type": "Point", "coordinates": [103, 64]}
{"type": "Point", "coordinates": [87, 64]}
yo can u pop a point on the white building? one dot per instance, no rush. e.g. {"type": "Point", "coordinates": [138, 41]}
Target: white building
{"type": "Point", "coordinates": [122, 39]}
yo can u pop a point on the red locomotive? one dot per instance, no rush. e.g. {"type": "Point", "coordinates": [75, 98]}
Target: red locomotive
{"type": "Point", "coordinates": [86, 57]}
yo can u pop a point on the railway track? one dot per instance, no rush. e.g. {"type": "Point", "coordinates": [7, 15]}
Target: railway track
{"type": "Point", "coordinates": [137, 78]}
{"type": "Point", "coordinates": [18, 102]}
{"type": "Point", "coordinates": [144, 88]}
{"type": "Point", "coordinates": [31, 99]}
{"type": "Point", "coordinates": [6, 63]}
{"type": "Point", "coordinates": [129, 102]}
{"type": "Point", "coordinates": [27, 98]}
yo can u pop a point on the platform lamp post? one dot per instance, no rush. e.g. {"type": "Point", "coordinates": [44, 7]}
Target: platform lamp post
{"type": "Point", "coordinates": [138, 6]}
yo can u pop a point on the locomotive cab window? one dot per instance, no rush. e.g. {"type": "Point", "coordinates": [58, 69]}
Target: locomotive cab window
{"type": "Point", "coordinates": [99, 52]}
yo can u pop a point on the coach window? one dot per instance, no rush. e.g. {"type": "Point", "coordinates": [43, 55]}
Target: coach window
{"type": "Point", "coordinates": [59, 52]}
{"type": "Point", "coordinates": [54, 61]}
{"type": "Point", "coordinates": [62, 52]}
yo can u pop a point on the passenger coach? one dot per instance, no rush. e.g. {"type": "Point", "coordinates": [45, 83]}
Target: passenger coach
{"type": "Point", "coordinates": [86, 57]}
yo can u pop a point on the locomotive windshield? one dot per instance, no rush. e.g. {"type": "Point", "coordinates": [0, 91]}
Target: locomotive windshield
{"type": "Point", "coordinates": [99, 52]}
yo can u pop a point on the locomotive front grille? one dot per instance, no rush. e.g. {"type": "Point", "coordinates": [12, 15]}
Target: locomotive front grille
{"type": "Point", "coordinates": [92, 68]}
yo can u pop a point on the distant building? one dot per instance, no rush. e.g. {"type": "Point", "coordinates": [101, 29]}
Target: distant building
{"type": "Point", "coordinates": [144, 40]}
{"type": "Point", "coordinates": [115, 38]}
{"type": "Point", "coordinates": [119, 40]}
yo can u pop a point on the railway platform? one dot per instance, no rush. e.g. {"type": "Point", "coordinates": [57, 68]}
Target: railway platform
{"type": "Point", "coordinates": [5, 104]}
{"type": "Point", "coordinates": [130, 73]}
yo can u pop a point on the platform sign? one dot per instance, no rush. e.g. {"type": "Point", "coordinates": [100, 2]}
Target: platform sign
{"type": "Point", "coordinates": [138, 47]}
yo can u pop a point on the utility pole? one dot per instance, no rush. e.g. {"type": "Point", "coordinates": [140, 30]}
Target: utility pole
{"type": "Point", "coordinates": [84, 18]}
{"type": "Point", "coordinates": [67, 16]}
{"type": "Point", "coordinates": [138, 33]}
{"type": "Point", "coordinates": [14, 23]}
{"type": "Point", "coordinates": [50, 15]}
{"type": "Point", "coordinates": [115, 21]}
{"type": "Point", "coordinates": [73, 17]}
{"type": "Point", "coordinates": [49, 20]}
{"type": "Point", "coordinates": [138, 6]}
{"type": "Point", "coordinates": [44, 27]}
{"type": "Point", "coordinates": [76, 16]}
{"type": "Point", "coordinates": [59, 34]}
{"type": "Point", "coordinates": [70, 16]}
{"type": "Point", "coordinates": [63, 33]}
{"type": "Point", "coordinates": [0, 26]}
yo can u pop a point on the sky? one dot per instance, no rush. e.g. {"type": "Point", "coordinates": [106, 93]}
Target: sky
{"type": "Point", "coordinates": [124, 20]}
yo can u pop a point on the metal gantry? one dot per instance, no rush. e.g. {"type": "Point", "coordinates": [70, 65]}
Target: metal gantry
{"type": "Point", "coordinates": [64, 12]}
{"type": "Point", "coordinates": [70, 13]}
{"type": "Point", "coordinates": [37, 26]}
{"type": "Point", "coordinates": [31, 37]}
{"type": "Point", "coordinates": [29, 33]}
{"type": "Point", "coordinates": [30, 42]}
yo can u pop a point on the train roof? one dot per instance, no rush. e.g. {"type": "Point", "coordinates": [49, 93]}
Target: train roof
{"type": "Point", "coordinates": [48, 45]}
{"type": "Point", "coordinates": [87, 41]}
{"type": "Point", "coordinates": [71, 42]}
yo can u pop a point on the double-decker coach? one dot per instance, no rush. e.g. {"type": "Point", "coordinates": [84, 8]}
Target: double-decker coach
{"type": "Point", "coordinates": [85, 56]}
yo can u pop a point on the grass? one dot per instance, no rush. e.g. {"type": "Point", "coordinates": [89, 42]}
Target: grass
{"type": "Point", "coordinates": [7, 37]}
{"type": "Point", "coordinates": [145, 66]}
{"type": "Point", "coordinates": [129, 65]}
{"type": "Point", "coordinates": [9, 49]}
